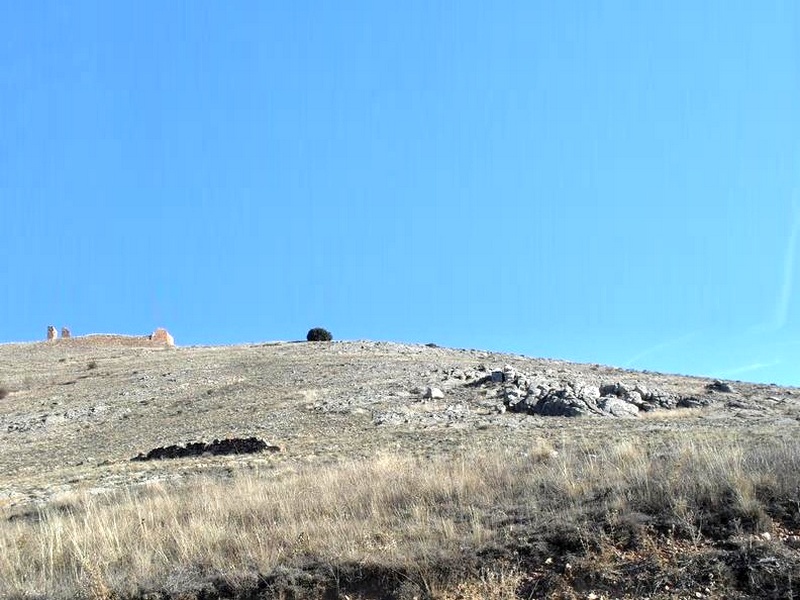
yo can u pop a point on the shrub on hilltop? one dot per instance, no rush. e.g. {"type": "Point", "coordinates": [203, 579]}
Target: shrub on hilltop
{"type": "Point", "coordinates": [318, 334]}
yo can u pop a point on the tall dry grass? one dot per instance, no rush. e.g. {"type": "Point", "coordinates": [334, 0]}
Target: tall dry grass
{"type": "Point", "coordinates": [401, 513]}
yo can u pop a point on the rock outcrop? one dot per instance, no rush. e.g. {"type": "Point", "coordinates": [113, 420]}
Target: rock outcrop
{"type": "Point", "coordinates": [574, 397]}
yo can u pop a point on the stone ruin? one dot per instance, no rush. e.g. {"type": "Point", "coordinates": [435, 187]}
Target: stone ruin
{"type": "Point", "coordinates": [52, 332]}
{"type": "Point", "coordinates": [162, 336]}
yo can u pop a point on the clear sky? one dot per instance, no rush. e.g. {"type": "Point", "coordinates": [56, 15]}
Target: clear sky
{"type": "Point", "coordinates": [610, 182]}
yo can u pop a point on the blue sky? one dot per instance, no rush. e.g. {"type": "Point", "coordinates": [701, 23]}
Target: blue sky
{"type": "Point", "coordinates": [610, 182]}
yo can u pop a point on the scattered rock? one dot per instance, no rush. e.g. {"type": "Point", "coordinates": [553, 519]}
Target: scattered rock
{"type": "Point", "coordinates": [249, 445]}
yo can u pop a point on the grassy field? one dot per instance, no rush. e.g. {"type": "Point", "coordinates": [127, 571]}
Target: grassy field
{"type": "Point", "coordinates": [674, 504]}
{"type": "Point", "coordinates": [677, 516]}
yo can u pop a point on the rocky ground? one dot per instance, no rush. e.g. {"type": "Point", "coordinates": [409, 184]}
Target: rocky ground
{"type": "Point", "coordinates": [78, 410]}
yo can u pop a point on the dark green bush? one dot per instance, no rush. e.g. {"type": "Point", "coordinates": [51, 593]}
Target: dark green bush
{"type": "Point", "coordinates": [318, 334]}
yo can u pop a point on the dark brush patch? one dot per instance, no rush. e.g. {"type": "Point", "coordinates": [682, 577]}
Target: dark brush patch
{"type": "Point", "coordinates": [251, 445]}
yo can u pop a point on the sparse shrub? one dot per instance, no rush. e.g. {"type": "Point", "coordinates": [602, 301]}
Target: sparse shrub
{"type": "Point", "coordinates": [318, 334]}
{"type": "Point", "coordinates": [92, 365]}
{"type": "Point", "coordinates": [4, 391]}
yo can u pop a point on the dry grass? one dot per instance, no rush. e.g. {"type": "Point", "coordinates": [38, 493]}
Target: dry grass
{"type": "Point", "coordinates": [502, 584]}
{"type": "Point", "coordinates": [671, 414]}
{"type": "Point", "coordinates": [428, 521]}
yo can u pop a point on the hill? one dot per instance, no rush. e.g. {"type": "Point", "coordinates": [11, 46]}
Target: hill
{"type": "Point", "coordinates": [386, 471]}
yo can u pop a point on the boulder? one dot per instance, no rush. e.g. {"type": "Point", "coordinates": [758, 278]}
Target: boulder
{"type": "Point", "coordinates": [636, 399]}
{"type": "Point", "coordinates": [511, 396]}
{"type": "Point", "coordinates": [662, 399]}
{"type": "Point", "coordinates": [433, 393]}
{"type": "Point", "coordinates": [720, 386]}
{"type": "Point", "coordinates": [691, 402]}
{"type": "Point", "coordinates": [558, 404]}
{"type": "Point", "coordinates": [162, 336]}
{"type": "Point", "coordinates": [620, 390]}
{"type": "Point", "coordinates": [586, 391]}
{"type": "Point", "coordinates": [617, 407]}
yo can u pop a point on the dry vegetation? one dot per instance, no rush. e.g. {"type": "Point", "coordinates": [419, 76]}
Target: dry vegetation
{"type": "Point", "coordinates": [660, 507]}
{"type": "Point", "coordinates": [587, 516]}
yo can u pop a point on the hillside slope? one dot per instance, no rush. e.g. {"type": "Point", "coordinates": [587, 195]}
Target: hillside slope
{"type": "Point", "coordinates": [78, 410]}
{"type": "Point", "coordinates": [81, 408]}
